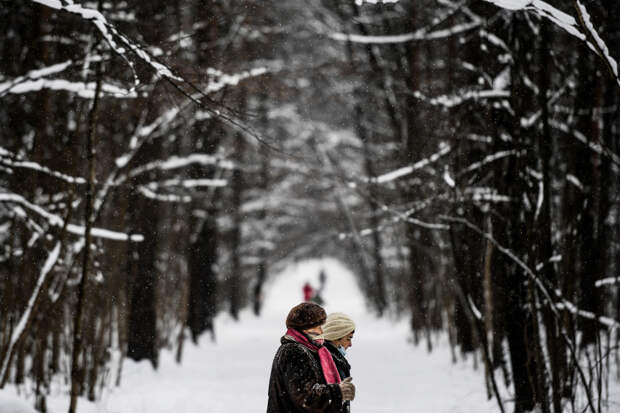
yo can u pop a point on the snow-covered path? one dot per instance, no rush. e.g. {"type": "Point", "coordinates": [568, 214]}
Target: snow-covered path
{"type": "Point", "coordinates": [232, 374]}
{"type": "Point", "coordinates": [391, 375]}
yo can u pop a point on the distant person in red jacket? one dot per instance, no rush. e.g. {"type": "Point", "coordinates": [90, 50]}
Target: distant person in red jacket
{"type": "Point", "coordinates": [308, 291]}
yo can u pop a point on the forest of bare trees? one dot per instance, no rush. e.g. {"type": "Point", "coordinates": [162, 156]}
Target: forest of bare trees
{"type": "Point", "coordinates": [161, 160]}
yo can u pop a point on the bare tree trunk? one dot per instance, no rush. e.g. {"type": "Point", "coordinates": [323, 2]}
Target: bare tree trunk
{"type": "Point", "coordinates": [98, 344]}
{"type": "Point", "coordinates": [488, 302]}
{"type": "Point", "coordinates": [237, 236]}
{"type": "Point", "coordinates": [375, 220]}
{"type": "Point", "coordinates": [584, 199]}
{"type": "Point", "coordinates": [611, 137]}
{"type": "Point", "coordinates": [202, 288]}
{"type": "Point", "coordinates": [263, 185]}
{"type": "Point", "coordinates": [38, 367]}
{"type": "Point", "coordinates": [142, 326]}
{"type": "Point", "coordinates": [515, 231]}
{"type": "Point", "coordinates": [76, 369]}
{"type": "Point", "coordinates": [555, 346]}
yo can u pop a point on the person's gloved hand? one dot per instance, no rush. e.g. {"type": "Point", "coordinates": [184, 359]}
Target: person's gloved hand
{"type": "Point", "coordinates": [347, 389]}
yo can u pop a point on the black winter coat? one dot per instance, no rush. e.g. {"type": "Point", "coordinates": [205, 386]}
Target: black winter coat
{"type": "Point", "coordinates": [343, 366]}
{"type": "Point", "coordinates": [297, 384]}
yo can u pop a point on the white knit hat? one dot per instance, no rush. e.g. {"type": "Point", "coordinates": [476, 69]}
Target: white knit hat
{"type": "Point", "coordinates": [337, 326]}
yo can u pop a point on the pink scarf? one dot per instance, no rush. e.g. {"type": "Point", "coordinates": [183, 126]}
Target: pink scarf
{"type": "Point", "coordinates": [330, 372]}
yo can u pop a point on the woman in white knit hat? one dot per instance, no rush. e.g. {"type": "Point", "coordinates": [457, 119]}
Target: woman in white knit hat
{"type": "Point", "coordinates": [338, 332]}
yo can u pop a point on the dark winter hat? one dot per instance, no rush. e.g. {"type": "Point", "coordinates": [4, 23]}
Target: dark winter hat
{"type": "Point", "coordinates": [305, 315]}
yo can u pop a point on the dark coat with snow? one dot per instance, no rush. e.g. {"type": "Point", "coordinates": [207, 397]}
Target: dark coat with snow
{"type": "Point", "coordinates": [297, 384]}
{"type": "Point", "coordinates": [343, 366]}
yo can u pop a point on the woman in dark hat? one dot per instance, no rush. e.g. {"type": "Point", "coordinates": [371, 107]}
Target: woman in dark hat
{"type": "Point", "coordinates": [304, 377]}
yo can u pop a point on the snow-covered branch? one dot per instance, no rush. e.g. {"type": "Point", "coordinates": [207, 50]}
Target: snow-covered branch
{"type": "Point", "coordinates": [34, 75]}
{"type": "Point", "coordinates": [489, 159]}
{"type": "Point", "coordinates": [473, 308]}
{"type": "Point", "coordinates": [148, 193]}
{"type": "Point", "coordinates": [607, 281]}
{"type": "Point", "coordinates": [422, 34]}
{"type": "Point", "coordinates": [221, 80]}
{"type": "Point", "coordinates": [176, 162]}
{"type": "Point", "coordinates": [142, 133]}
{"type": "Point", "coordinates": [554, 298]}
{"type": "Point", "coordinates": [150, 190]}
{"type": "Point", "coordinates": [543, 9]}
{"type": "Point", "coordinates": [57, 221]}
{"type": "Point", "coordinates": [483, 194]}
{"type": "Point", "coordinates": [117, 41]}
{"type": "Point", "coordinates": [583, 30]}
{"type": "Point", "coordinates": [419, 35]}
{"type": "Point", "coordinates": [187, 183]}
{"type": "Point", "coordinates": [84, 90]}
{"type": "Point", "coordinates": [24, 321]}
{"type": "Point", "coordinates": [595, 39]}
{"type": "Point", "coordinates": [40, 168]}
{"type": "Point", "coordinates": [573, 309]}
{"type": "Point", "coordinates": [450, 101]}
{"type": "Point", "coordinates": [594, 146]}
{"type": "Point", "coordinates": [408, 170]}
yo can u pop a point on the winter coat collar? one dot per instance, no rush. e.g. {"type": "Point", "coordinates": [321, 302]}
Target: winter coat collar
{"type": "Point", "coordinates": [337, 356]}
{"type": "Point", "coordinates": [289, 338]}
{"type": "Point", "coordinates": [330, 371]}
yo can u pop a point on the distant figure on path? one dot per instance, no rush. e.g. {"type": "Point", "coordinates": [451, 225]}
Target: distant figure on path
{"type": "Point", "coordinates": [318, 295]}
{"type": "Point", "coordinates": [304, 377]}
{"type": "Point", "coordinates": [308, 291]}
{"type": "Point", "coordinates": [322, 279]}
{"type": "Point", "coordinates": [338, 332]}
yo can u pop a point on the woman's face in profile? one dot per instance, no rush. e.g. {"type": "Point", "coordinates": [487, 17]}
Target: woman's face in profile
{"type": "Point", "coordinates": [345, 341]}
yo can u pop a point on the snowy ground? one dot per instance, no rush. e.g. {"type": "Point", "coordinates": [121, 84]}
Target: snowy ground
{"type": "Point", "coordinates": [232, 374]}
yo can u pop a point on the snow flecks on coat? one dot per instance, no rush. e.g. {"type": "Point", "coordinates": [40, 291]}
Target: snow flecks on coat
{"type": "Point", "coordinates": [297, 383]}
